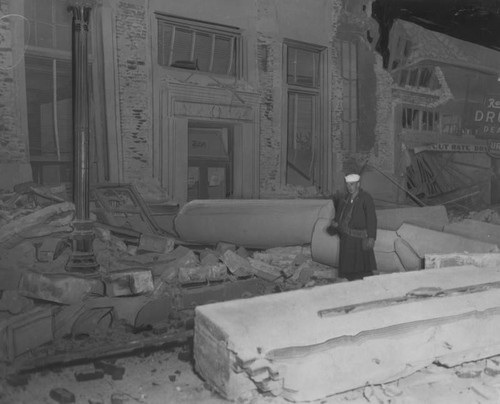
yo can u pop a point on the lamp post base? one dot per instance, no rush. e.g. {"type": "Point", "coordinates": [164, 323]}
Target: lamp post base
{"type": "Point", "coordinates": [82, 258]}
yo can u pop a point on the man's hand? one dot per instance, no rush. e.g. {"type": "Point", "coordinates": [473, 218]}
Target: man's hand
{"type": "Point", "coordinates": [332, 228]}
{"type": "Point", "coordinates": [368, 244]}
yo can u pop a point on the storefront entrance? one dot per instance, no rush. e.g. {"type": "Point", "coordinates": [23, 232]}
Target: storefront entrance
{"type": "Point", "coordinates": [209, 163]}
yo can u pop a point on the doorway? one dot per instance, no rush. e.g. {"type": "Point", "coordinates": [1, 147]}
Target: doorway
{"type": "Point", "coordinates": [210, 162]}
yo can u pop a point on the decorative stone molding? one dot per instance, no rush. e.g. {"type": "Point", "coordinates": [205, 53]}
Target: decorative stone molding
{"type": "Point", "coordinates": [182, 103]}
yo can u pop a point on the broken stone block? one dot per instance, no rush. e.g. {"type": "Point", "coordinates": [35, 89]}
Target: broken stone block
{"type": "Point", "coordinates": [237, 265]}
{"type": "Point", "coordinates": [18, 379]}
{"type": "Point", "coordinates": [178, 252]}
{"type": "Point", "coordinates": [303, 273]}
{"type": "Point", "coordinates": [354, 346]}
{"type": "Point", "coordinates": [17, 258]}
{"type": "Point", "coordinates": [407, 256]}
{"type": "Point", "coordinates": [208, 257]}
{"type": "Point", "coordinates": [455, 260]}
{"type": "Point", "coordinates": [116, 372]}
{"type": "Point", "coordinates": [120, 398]}
{"type": "Point", "coordinates": [43, 222]}
{"type": "Point", "coordinates": [221, 247]}
{"type": "Point", "coordinates": [188, 259]}
{"type": "Point", "coordinates": [93, 321]}
{"type": "Point", "coordinates": [216, 272]}
{"type": "Point", "coordinates": [155, 243]}
{"type": "Point", "coordinates": [388, 262]}
{"type": "Point", "coordinates": [59, 288]}
{"type": "Point", "coordinates": [25, 331]}
{"type": "Point", "coordinates": [49, 249]}
{"type": "Point", "coordinates": [242, 252]}
{"type": "Point", "coordinates": [87, 376]}
{"type": "Point", "coordinates": [264, 270]}
{"type": "Point", "coordinates": [14, 303]}
{"type": "Point", "coordinates": [129, 282]}
{"type": "Point", "coordinates": [62, 395]}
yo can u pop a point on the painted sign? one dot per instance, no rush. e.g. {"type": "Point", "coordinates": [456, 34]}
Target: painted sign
{"type": "Point", "coordinates": [494, 148]}
{"type": "Point", "coordinates": [487, 118]}
{"type": "Point", "coordinates": [452, 148]}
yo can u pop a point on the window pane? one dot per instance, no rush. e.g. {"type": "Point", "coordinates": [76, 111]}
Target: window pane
{"type": "Point", "coordinates": [63, 38]}
{"type": "Point", "coordinates": [301, 114]}
{"type": "Point", "coordinates": [222, 55]}
{"type": "Point", "coordinates": [164, 41]}
{"type": "Point", "coordinates": [44, 11]}
{"type": "Point", "coordinates": [303, 67]}
{"type": "Point", "coordinates": [196, 45]}
{"type": "Point", "coordinates": [425, 77]}
{"type": "Point", "coordinates": [63, 16]}
{"type": "Point", "coordinates": [49, 124]}
{"type": "Point", "coordinates": [44, 35]}
{"type": "Point", "coordinates": [203, 51]}
{"type": "Point", "coordinates": [183, 40]}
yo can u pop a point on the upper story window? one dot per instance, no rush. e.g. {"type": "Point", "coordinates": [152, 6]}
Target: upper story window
{"type": "Point", "coordinates": [418, 77]}
{"type": "Point", "coordinates": [50, 24]}
{"type": "Point", "coordinates": [420, 120]}
{"type": "Point", "coordinates": [302, 69]}
{"type": "Point", "coordinates": [348, 53]}
{"type": "Point", "coordinates": [197, 45]}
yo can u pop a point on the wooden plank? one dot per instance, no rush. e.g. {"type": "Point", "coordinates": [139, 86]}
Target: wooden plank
{"type": "Point", "coordinates": [329, 355]}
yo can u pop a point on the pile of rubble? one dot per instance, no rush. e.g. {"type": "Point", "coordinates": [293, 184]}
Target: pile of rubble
{"type": "Point", "coordinates": [143, 293]}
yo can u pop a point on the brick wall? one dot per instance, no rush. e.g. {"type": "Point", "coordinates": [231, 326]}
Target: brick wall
{"type": "Point", "coordinates": [14, 165]}
{"type": "Point", "coordinates": [134, 88]}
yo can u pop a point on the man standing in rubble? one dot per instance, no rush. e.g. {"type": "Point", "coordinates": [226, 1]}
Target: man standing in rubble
{"type": "Point", "coordinates": [355, 222]}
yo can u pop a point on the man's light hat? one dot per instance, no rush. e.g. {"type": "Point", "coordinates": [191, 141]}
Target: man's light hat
{"type": "Point", "coordinates": [352, 178]}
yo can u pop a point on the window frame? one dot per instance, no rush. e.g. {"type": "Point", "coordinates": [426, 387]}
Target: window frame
{"type": "Point", "coordinates": [318, 177]}
{"type": "Point", "coordinates": [421, 113]}
{"type": "Point", "coordinates": [201, 28]}
{"type": "Point", "coordinates": [66, 160]}
{"type": "Point", "coordinates": [350, 94]}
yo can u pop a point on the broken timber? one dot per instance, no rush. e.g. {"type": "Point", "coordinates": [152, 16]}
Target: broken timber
{"type": "Point", "coordinates": [448, 316]}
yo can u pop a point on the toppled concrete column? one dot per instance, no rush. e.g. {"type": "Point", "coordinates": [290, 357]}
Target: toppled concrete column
{"type": "Point", "coordinates": [483, 231]}
{"type": "Point", "coordinates": [425, 241]}
{"type": "Point", "coordinates": [255, 223]}
{"type": "Point", "coordinates": [431, 217]}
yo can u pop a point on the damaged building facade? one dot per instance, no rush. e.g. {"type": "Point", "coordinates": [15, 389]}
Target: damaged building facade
{"type": "Point", "coordinates": [264, 99]}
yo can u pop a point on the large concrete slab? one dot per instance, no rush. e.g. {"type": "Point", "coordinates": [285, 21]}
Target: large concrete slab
{"type": "Point", "coordinates": [278, 343]}
{"type": "Point", "coordinates": [434, 261]}
{"type": "Point", "coordinates": [255, 223]}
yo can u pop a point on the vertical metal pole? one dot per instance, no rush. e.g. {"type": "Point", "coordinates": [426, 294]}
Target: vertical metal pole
{"type": "Point", "coordinates": [82, 258]}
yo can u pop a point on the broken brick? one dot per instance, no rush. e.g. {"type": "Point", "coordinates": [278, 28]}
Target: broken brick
{"type": "Point", "coordinates": [62, 395]}
{"type": "Point", "coordinates": [86, 376]}
{"type": "Point", "coordinates": [17, 380]}
{"type": "Point", "coordinates": [116, 372]}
